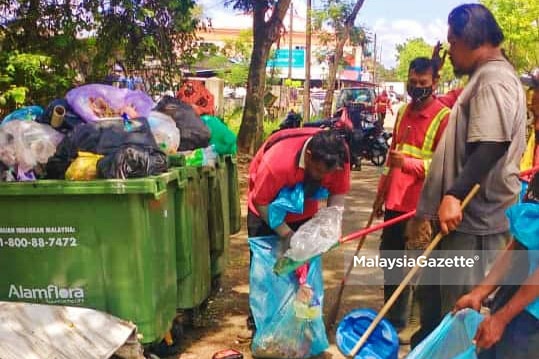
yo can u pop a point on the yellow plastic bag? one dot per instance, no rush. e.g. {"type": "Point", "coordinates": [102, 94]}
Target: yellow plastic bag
{"type": "Point", "coordinates": [526, 162]}
{"type": "Point", "coordinates": [84, 167]}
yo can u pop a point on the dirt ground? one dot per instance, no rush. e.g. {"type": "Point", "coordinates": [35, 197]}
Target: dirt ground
{"type": "Point", "coordinates": [222, 324]}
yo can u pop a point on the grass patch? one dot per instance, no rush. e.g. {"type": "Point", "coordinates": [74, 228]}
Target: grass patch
{"type": "Point", "coordinates": [233, 120]}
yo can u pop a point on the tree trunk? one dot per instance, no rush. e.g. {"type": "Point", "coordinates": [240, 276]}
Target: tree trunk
{"type": "Point", "coordinates": [339, 50]}
{"type": "Point", "coordinates": [265, 33]}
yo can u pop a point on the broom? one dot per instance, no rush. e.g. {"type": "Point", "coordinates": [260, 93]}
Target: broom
{"type": "Point", "coordinates": [405, 282]}
{"type": "Point", "coordinates": [334, 310]}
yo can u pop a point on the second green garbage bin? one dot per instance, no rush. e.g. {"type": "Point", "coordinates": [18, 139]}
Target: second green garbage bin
{"type": "Point", "coordinates": [218, 217]}
{"type": "Point", "coordinates": [104, 244]}
{"type": "Point", "coordinates": [233, 193]}
{"type": "Point", "coordinates": [193, 256]}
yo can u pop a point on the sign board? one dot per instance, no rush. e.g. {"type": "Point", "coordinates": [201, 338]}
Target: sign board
{"type": "Point", "coordinates": [282, 56]}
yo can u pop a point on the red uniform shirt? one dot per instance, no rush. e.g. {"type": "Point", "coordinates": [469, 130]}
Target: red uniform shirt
{"type": "Point", "coordinates": [278, 167]}
{"type": "Point", "coordinates": [406, 183]}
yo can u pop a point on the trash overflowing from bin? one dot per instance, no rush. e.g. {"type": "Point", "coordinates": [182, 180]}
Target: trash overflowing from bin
{"type": "Point", "coordinates": [121, 134]}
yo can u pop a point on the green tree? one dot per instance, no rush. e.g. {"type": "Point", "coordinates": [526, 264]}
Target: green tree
{"type": "Point", "coordinates": [417, 47]}
{"type": "Point", "coordinates": [267, 24]}
{"type": "Point", "coordinates": [519, 20]}
{"type": "Point", "coordinates": [334, 25]}
{"type": "Point", "coordinates": [83, 38]}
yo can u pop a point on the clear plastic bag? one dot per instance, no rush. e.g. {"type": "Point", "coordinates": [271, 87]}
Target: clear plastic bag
{"type": "Point", "coordinates": [26, 143]}
{"type": "Point", "coordinates": [286, 326]}
{"type": "Point", "coordinates": [317, 235]}
{"type": "Point", "coordinates": [452, 339]}
{"type": "Point", "coordinates": [165, 132]}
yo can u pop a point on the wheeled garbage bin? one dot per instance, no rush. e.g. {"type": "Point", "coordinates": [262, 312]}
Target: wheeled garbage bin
{"type": "Point", "coordinates": [103, 244]}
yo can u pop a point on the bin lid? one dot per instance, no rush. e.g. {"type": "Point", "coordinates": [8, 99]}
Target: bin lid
{"type": "Point", "coordinates": [148, 185]}
{"type": "Point", "coordinates": [383, 343]}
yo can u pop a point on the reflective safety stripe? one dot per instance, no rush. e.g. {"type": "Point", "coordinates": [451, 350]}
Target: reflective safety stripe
{"type": "Point", "coordinates": [426, 166]}
{"type": "Point", "coordinates": [426, 151]}
{"type": "Point", "coordinates": [428, 142]}
{"type": "Point", "coordinates": [400, 113]}
{"type": "Point", "coordinates": [415, 152]}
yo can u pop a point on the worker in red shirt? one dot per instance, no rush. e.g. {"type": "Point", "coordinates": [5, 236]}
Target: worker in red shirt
{"type": "Point", "coordinates": [312, 156]}
{"type": "Point", "coordinates": [382, 105]}
{"type": "Point", "coordinates": [418, 129]}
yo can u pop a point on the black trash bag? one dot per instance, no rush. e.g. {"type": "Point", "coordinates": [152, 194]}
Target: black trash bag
{"type": "Point", "coordinates": [115, 134]}
{"type": "Point", "coordinates": [132, 161]}
{"type": "Point", "coordinates": [60, 116]}
{"type": "Point", "coordinates": [84, 137]}
{"type": "Point", "coordinates": [193, 131]}
{"type": "Point", "coordinates": [103, 138]}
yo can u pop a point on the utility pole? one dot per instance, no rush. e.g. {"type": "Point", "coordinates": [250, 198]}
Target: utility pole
{"type": "Point", "coordinates": [290, 40]}
{"type": "Point", "coordinates": [307, 83]}
{"type": "Point", "coordinates": [374, 61]}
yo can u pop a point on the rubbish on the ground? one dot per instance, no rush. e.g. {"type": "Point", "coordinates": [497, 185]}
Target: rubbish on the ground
{"type": "Point", "coordinates": [227, 354]}
{"type": "Point", "coordinates": [285, 326]}
{"type": "Point", "coordinates": [452, 339]}
{"type": "Point", "coordinates": [34, 331]}
{"type": "Point", "coordinates": [317, 235]}
{"type": "Point", "coordinates": [382, 344]}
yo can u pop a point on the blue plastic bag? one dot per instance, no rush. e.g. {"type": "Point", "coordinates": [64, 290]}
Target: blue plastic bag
{"type": "Point", "coordinates": [285, 327]}
{"type": "Point", "coordinates": [27, 113]}
{"type": "Point", "coordinates": [290, 200]}
{"type": "Point", "coordinates": [452, 339]}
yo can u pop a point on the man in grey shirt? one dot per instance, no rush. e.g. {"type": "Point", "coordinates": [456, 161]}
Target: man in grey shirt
{"type": "Point", "coordinates": [483, 143]}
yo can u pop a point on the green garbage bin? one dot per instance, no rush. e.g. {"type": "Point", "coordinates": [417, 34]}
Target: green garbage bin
{"type": "Point", "coordinates": [193, 246]}
{"type": "Point", "coordinates": [218, 217]}
{"type": "Point", "coordinates": [233, 194]}
{"type": "Point", "coordinates": [104, 244]}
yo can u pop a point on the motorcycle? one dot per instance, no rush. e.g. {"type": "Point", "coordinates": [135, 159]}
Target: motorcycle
{"type": "Point", "coordinates": [365, 138]}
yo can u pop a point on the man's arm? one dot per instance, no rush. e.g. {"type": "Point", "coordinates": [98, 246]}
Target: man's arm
{"type": "Point", "coordinates": [283, 230]}
{"type": "Point", "coordinates": [491, 329]}
{"type": "Point", "coordinates": [499, 269]}
{"type": "Point", "coordinates": [482, 159]}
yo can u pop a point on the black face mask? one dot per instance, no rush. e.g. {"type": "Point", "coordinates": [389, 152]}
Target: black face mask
{"type": "Point", "coordinates": [419, 94]}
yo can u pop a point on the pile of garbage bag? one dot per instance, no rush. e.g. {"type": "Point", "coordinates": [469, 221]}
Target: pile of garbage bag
{"type": "Point", "coordinates": [101, 131]}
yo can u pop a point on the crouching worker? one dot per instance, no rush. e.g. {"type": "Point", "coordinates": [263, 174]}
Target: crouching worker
{"type": "Point", "coordinates": [512, 329]}
{"type": "Point", "coordinates": [316, 162]}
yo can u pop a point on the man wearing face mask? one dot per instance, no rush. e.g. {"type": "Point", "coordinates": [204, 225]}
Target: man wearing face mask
{"type": "Point", "coordinates": [312, 156]}
{"type": "Point", "coordinates": [418, 129]}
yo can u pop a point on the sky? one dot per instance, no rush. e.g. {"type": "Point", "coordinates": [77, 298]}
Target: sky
{"type": "Point", "coordinates": [393, 21]}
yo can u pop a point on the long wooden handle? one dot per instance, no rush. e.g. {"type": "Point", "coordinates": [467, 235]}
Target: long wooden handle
{"type": "Point", "coordinates": [405, 282]}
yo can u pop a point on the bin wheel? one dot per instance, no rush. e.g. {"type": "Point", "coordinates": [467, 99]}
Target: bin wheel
{"type": "Point", "coordinates": [162, 349]}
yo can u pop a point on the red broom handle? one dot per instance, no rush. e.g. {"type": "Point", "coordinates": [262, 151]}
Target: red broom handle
{"type": "Point", "coordinates": [376, 227]}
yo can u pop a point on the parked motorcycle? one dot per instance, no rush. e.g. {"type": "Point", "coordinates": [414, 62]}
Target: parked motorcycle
{"type": "Point", "coordinates": [365, 138]}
